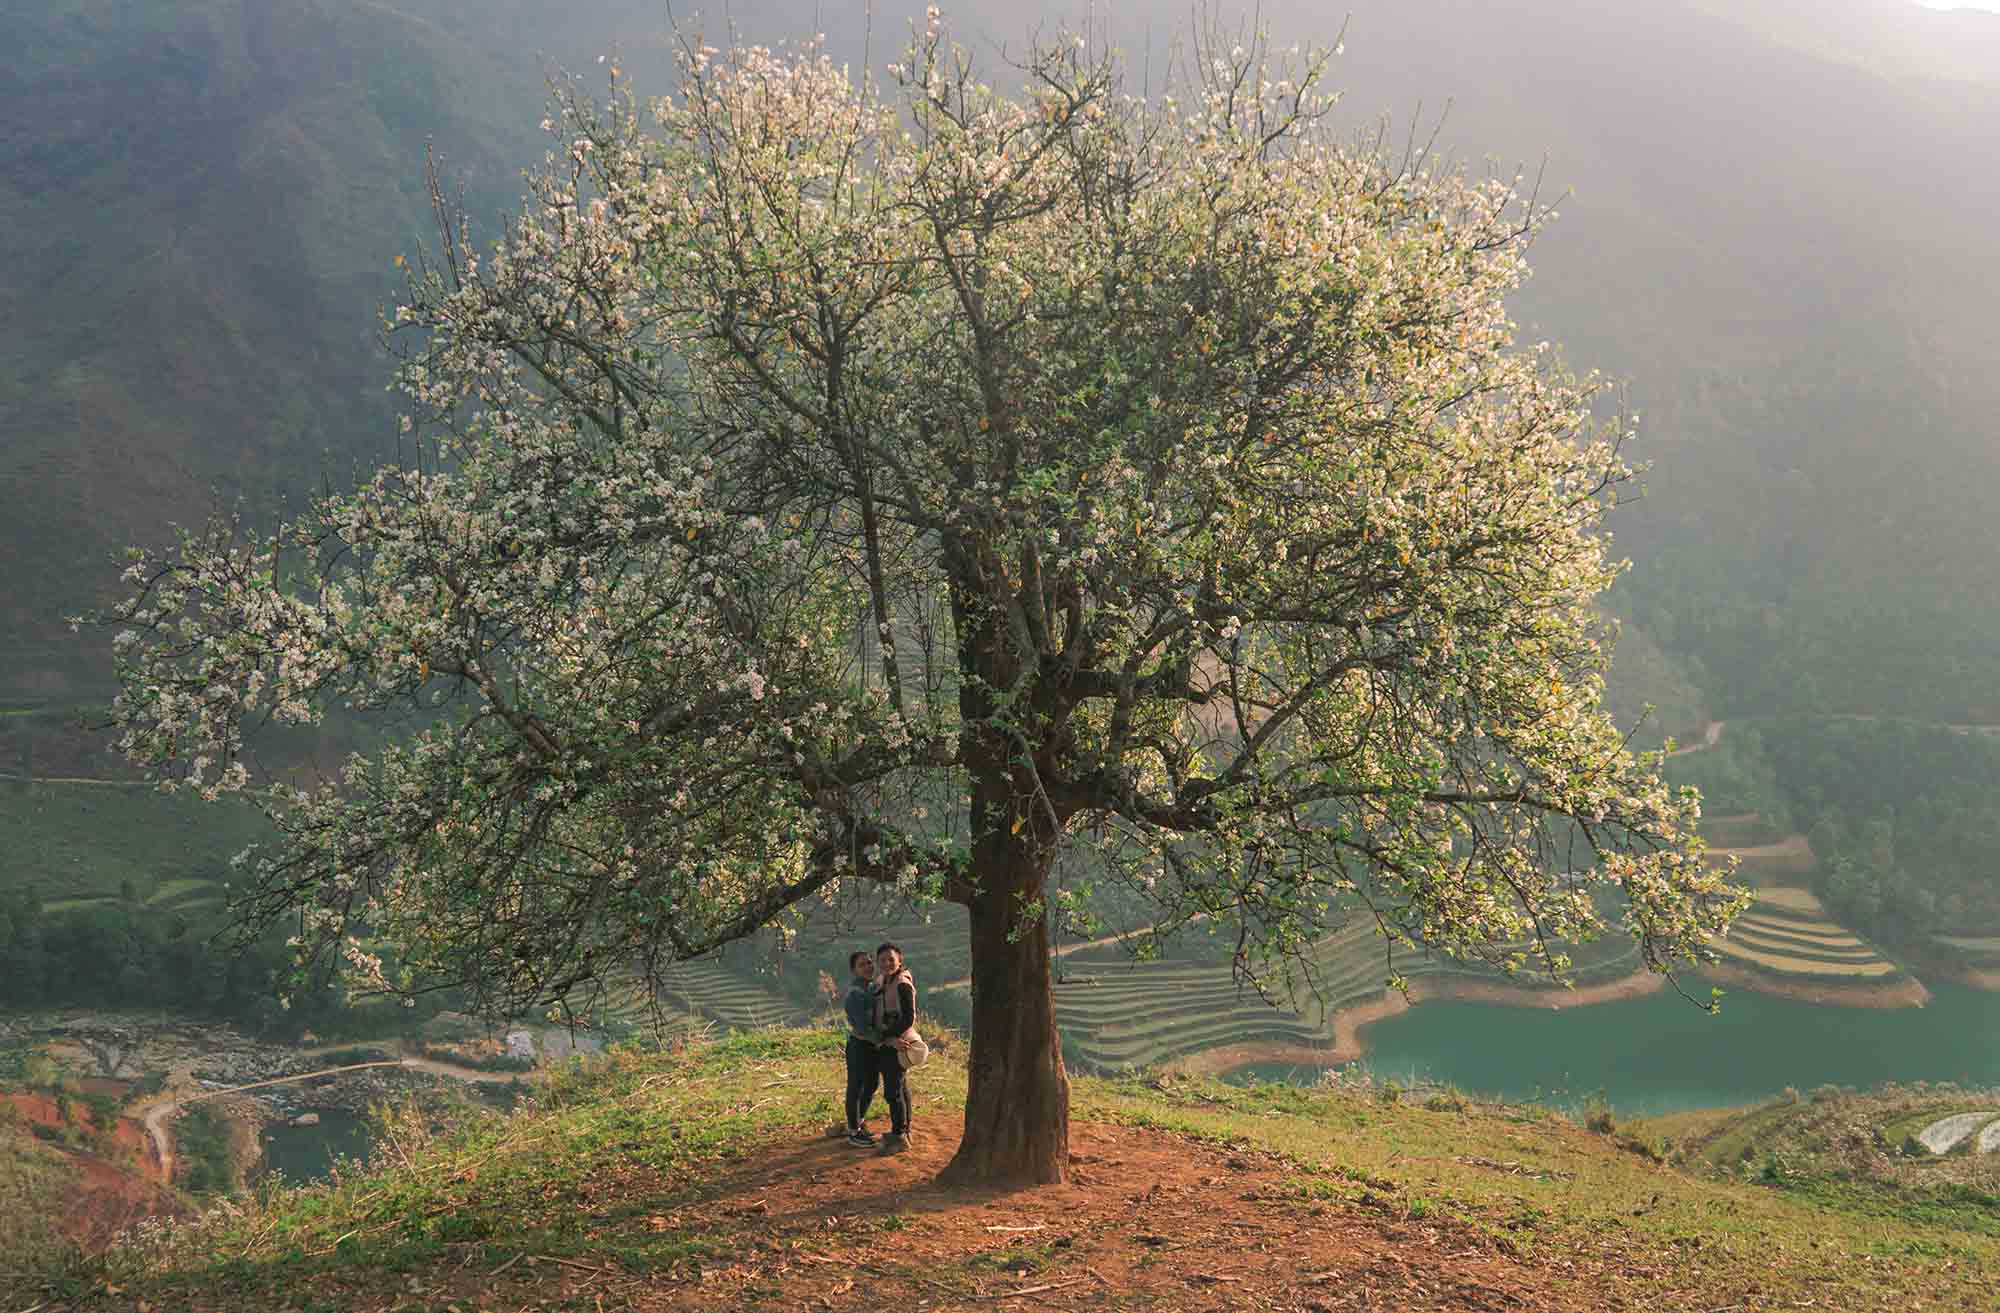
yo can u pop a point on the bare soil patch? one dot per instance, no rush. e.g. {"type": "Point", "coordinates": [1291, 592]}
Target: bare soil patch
{"type": "Point", "coordinates": [106, 1199]}
{"type": "Point", "coordinates": [127, 1135]}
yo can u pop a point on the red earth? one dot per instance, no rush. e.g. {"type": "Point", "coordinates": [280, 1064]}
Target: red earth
{"type": "Point", "coordinates": [109, 1192]}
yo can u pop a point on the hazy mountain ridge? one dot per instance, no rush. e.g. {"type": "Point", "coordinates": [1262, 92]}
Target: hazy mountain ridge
{"type": "Point", "coordinates": [1892, 38]}
{"type": "Point", "coordinates": [201, 202]}
{"type": "Point", "coordinates": [1788, 258]}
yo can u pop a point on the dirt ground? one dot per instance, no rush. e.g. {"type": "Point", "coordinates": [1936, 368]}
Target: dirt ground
{"type": "Point", "coordinates": [1149, 1219]}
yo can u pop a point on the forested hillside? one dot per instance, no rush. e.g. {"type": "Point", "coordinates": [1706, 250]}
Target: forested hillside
{"type": "Point", "coordinates": [1778, 234]}
{"type": "Point", "coordinates": [200, 203]}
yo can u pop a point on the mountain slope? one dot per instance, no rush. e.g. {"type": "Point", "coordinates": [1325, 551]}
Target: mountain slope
{"type": "Point", "coordinates": [200, 204]}
{"type": "Point", "coordinates": [1779, 234]}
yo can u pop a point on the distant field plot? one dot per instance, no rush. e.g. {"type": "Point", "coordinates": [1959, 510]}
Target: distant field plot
{"type": "Point", "coordinates": [1915, 1139]}
{"type": "Point", "coordinates": [1749, 830]}
{"type": "Point", "coordinates": [1980, 952]}
{"type": "Point", "coordinates": [1799, 902]}
{"type": "Point", "coordinates": [1947, 1133]}
{"type": "Point", "coordinates": [79, 841]}
{"type": "Point", "coordinates": [192, 888]}
{"type": "Point", "coordinates": [72, 904]}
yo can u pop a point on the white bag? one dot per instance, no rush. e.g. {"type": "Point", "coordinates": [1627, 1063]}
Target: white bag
{"type": "Point", "coordinates": [912, 1051]}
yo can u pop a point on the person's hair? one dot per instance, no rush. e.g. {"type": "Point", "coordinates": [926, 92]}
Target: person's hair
{"type": "Point", "coordinates": [854, 958]}
{"type": "Point", "coordinates": [888, 948]}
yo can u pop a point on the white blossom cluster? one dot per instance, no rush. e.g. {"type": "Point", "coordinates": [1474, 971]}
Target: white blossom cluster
{"type": "Point", "coordinates": [826, 480]}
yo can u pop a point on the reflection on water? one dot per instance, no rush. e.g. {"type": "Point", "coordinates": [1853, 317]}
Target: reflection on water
{"type": "Point", "coordinates": [1660, 1054]}
{"type": "Point", "coordinates": [306, 1153]}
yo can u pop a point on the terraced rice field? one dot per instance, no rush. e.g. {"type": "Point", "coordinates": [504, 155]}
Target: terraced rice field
{"type": "Point", "coordinates": [1799, 902]}
{"type": "Point", "coordinates": [1979, 951]}
{"type": "Point", "coordinates": [1803, 966]}
{"type": "Point", "coordinates": [1771, 934]}
{"type": "Point", "coordinates": [708, 990]}
{"type": "Point", "coordinates": [626, 1000]}
{"type": "Point", "coordinates": [1787, 932]}
{"type": "Point", "coordinates": [1118, 1014]}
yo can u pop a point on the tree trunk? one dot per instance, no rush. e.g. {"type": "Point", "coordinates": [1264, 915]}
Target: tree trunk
{"type": "Point", "coordinates": [1017, 1094]}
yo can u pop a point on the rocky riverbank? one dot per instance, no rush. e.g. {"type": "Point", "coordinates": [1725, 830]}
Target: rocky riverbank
{"type": "Point", "coordinates": [154, 1066]}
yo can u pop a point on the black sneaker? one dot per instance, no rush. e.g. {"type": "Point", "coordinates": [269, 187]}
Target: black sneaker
{"type": "Point", "coordinates": [862, 1139]}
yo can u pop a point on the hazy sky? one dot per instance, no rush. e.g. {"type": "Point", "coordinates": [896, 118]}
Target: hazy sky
{"type": "Point", "coordinates": [1961, 4]}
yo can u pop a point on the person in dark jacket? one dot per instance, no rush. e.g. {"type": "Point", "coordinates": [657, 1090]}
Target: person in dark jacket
{"type": "Point", "coordinates": [864, 1072]}
{"type": "Point", "coordinates": [895, 1018]}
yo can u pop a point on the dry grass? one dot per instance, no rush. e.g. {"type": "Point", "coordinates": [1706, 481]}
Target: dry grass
{"type": "Point", "coordinates": [33, 1184]}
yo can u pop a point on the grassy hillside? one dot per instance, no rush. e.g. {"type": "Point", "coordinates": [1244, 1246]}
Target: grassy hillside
{"type": "Point", "coordinates": [34, 1181]}
{"type": "Point", "coordinates": [77, 842]}
{"type": "Point", "coordinates": [701, 1180]}
{"type": "Point", "coordinates": [1834, 1141]}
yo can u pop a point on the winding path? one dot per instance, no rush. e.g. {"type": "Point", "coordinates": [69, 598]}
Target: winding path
{"type": "Point", "coordinates": [1711, 735]}
{"type": "Point", "coordinates": [155, 1121]}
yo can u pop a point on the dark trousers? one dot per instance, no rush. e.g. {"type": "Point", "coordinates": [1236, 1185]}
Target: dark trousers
{"type": "Point", "coordinates": [863, 1076]}
{"type": "Point", "coordinates": [895, 1088]}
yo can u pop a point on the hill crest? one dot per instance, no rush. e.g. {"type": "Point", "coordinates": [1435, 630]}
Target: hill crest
{"type": "Point", "coordinates": [704, 1179]}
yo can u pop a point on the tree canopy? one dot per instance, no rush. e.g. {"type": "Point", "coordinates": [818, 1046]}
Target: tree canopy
{"type": "Point", "coordinates": [829, 481]}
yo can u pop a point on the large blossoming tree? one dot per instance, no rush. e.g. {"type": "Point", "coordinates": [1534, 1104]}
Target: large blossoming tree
{"type": "Point", "coordinates": [827, 481]}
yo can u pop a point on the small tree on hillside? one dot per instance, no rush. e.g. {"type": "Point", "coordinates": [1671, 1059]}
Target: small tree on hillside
{"type": "Point", "coordinates": [828, 483]}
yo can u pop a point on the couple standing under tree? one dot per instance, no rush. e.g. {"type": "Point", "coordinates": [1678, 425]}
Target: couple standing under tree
{"type": "Point", "coordinates": [882, 1045]}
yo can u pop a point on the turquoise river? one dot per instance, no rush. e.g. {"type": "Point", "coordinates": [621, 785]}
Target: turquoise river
{"type": "Point", "coordinates": [1660, 1053]}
